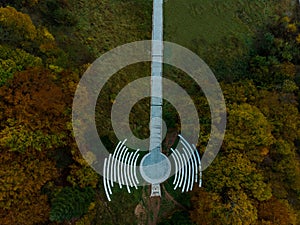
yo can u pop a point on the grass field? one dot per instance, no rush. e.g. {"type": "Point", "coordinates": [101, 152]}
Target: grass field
{"type": "Point", "coordinates": [213, 29]}
{"type": "Point", "coordinates": [106, 24]}
{"type": "Point", "coordinates": [218, 31]}
{"type": "Point", "coordinates": [212, 20]}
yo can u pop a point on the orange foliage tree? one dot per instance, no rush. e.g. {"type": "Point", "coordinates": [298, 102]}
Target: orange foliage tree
{"type": "Point", "coordinates": [34, 122]}
{"type": "Point", "coordinates": [275, 211]}
{"type": "Point", "coordinates": [22, 177]}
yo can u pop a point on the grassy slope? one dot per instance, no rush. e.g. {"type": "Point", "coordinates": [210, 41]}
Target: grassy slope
{"type": "Point", "coordinates": [105, 24]}
{"type": "Point", "coordinates": [212, 20]}
{"type": "Point", "coordinates": [218, 31]}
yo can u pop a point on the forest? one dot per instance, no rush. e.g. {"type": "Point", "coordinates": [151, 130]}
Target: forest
{"type": "Point", "coordinates": [253, 48]}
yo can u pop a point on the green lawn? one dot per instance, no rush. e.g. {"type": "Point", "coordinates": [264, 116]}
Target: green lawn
{"type": "Point", "coordinates": [106, 24]}
{"type": "Point", "coordinates": [218, 31]}
{"type": "Point", "coordinates": [213, 20]}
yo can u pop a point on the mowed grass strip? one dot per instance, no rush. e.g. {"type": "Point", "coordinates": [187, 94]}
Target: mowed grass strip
{"type": "Point", "coordinates": [212, 20]}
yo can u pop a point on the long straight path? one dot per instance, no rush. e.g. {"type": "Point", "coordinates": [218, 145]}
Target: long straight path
{"type": "Point", "coordinates": [156, 89]}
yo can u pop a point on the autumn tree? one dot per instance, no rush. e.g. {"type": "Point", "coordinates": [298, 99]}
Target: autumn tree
{"type": "Point", "coordinates": [201, 212]}
{"type": "Point", "coordinates": [282, 166]}
{"type": "Point", "coordinates": [22, 177]}
{"type": "Point", "coordinates": [276, 53]}
{"type": "Point", "coordinates": [210, 209]}
{"type": "Point", "coordinates": [248, 131]}
{"type": "Point", "coordinates": [15, 60]}
{"type": "Point", "coordinates": [33, 98]}
{"type": "Point", "coordinates": [33, 124]}
{"type": "Point", "coordinates": [236, 172]}
{"type": "Point", "coordinates": [18, 31]}
{"type": "Point", "coordinates": [81, 173]}
{"type": "Point", "coordinates": [16, 27]}
{"type": "Point", "coordinates": [275, 211]}
{"type": "Point", "coordinates": [282, 112]}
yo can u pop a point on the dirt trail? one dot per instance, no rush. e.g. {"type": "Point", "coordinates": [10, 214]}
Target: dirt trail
{"type": "Point", "coordinates": [148, 209]}
{"type": "Point", "coordinates": [170, 197]}
{"type": "Point", "coordinates": [154, 207]}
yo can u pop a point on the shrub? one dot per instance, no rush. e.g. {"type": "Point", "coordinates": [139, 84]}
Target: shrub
{"type": "Point", "coordinates": [71, 203]}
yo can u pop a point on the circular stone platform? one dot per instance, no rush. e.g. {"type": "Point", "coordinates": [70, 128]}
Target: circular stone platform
{"type": "Point", "coordinates": [155, 167]}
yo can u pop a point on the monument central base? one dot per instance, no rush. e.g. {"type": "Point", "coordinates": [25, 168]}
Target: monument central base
{"type": "Point", "coordinates": [155, 167]}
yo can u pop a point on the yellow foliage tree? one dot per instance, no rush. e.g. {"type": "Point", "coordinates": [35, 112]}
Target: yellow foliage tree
{"type": "Point", "coordinates": [209, 209]}
{"type": "Point", "coordinates": [22, 177]}
{"type": "Point", "coordinates": [33, 124]}
{"type": "Point", "coordinates": [15, 26]}
{"type": "Point", "coordinates": [276, 211]}
{"type": "Point", "coordinates": [248, 131]}
{"type": "Point", "coordinates": [235, 171]}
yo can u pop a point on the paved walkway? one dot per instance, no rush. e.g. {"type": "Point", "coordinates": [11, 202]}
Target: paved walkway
{"type": "Point", "coordinates": [156, 77]}
{"type": "Point", "coordinates": [159, 165]}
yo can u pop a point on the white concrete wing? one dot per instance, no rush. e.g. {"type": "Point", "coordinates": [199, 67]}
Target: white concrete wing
{"type": "Point", "coordinates": [120, 167]}
{"type": "Point", "coordinates": [187, 166]}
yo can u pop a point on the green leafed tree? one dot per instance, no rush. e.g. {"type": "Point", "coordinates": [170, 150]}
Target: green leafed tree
{"type": "Point", "coordinates": [71, 203]}
{"type": "Point", "coordinates": [14, 60]}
